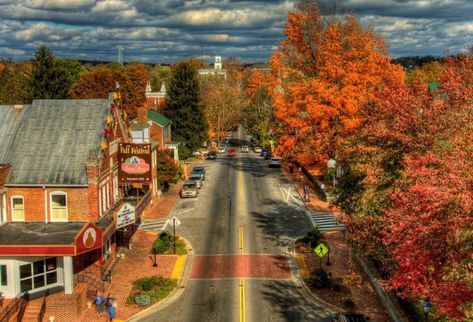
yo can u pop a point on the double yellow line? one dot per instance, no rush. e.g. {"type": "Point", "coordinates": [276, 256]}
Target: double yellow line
{"type": "Point", "coordinates": [242, 281]}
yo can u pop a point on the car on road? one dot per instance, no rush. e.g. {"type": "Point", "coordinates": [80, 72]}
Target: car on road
{"type": "Point", "coordinates": [231, 153]}
{"type": "Point", "coordinates": [222, 149]}
{"type": "Point", "coordinates": [257, 149]}
{"type": "Point", "coordinates": [189, 190]}
{"type": "Point", "coordinates": [350, 317]}
{"type": "Point", "coordinates": [200, 171]}
{"type": "Point", "coordinates": [212, 155]}
{"type": "Point", "coordinates": [225, 140]}
{"type": "Point", "coordinates": [245, 149]}
{"type": "Point", "coordinates": [197, 179]}
{"type": "Point", "coordinates": [267, 155]}
{"type": "Point", "coordinates": [263, 152]}
{"type": "Point", "coordinates": [275, 162]}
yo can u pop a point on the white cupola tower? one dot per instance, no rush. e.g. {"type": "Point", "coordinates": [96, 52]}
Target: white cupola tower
{"type": "Point", "coordinates": [218, 63]}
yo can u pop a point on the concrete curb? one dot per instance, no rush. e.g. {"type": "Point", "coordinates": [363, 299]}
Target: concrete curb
{"type": "Point", "coordinates": [180, 289]}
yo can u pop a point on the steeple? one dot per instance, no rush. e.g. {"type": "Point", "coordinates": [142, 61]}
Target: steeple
{"type": "Point", "coordinates": [148, 87]}
{"type": "Point", "coordinates": [163, 88]}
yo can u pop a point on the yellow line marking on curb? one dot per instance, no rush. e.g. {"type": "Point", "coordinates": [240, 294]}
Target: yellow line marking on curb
{"type": "Point", "coordinates": [242, 301]}
{"type": "Point", "coordinates": [178, 267]}
{"type": "Point", "coordinates": [240, 238]}
{"type": "Point", "coordinates": [302, 266]}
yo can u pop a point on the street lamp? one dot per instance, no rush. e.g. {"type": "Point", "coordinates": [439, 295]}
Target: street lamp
{"type": "Point", "coordinates": [332, 165]}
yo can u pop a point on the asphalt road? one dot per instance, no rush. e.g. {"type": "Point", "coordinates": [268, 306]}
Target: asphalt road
{"type": "Point", "coordinates": [242, 211]}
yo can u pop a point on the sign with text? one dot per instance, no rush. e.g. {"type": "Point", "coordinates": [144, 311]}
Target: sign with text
{"type": "Point", "coordinates": [125, 215]}
{"type": "Point", "coordinates": [135, 163]}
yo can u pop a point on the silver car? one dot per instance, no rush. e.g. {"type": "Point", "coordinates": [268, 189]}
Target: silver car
{"type": "Point", "coordinates": [189, 190]}
{"type": "Point", "coordinates": [197, 179]}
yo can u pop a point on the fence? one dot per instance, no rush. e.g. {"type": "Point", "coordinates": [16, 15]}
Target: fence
{"type": "Point", "coordinates": [18, 305]}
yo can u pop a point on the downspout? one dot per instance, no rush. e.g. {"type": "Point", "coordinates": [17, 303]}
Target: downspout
{"type": "Point", "coordinates": [45, 205]}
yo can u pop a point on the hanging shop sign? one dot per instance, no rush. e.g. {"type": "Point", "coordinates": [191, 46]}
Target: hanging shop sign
{"type": "Point", "coordinates": [135, 163]}
{"type": "Point", "coordinates": [125, 215]}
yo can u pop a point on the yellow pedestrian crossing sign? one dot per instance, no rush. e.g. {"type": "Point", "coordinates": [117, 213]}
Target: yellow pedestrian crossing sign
{"type": "Point", "coordinates": [321, 250]}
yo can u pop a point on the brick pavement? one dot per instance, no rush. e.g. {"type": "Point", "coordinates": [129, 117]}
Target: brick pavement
{"type": "Point", "coordinates": [240, 266]}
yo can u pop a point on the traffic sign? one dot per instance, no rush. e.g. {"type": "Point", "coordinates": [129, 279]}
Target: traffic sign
{"type": "Point", "coordinates": [321, 250]}
{"type": "Point", "coordinates": [176, 222]}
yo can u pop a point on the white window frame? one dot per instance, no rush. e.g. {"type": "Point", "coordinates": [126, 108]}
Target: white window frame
{"type": "Point", "coordinates": [58, 193]}
{"type": "Point", "coordinates": [13, 209]}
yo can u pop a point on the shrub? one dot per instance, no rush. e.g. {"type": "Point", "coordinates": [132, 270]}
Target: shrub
{"type": "Point", "coordinates": [159, 246]}
{"type": "Point", "coordinates": [349, 304]}
{"type": "Point", "coordinates": [319, 278]}
{"type": "Point", "coordinates": [146, 283]}
{"type": "Point", "coordinates": [313, 237]}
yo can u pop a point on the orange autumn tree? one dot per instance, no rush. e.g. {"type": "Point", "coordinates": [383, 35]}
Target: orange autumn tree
{"type": "Point", "coordinates": [325, 72]}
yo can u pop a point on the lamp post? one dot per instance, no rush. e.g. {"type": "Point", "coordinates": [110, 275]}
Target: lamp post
{"type": "Point", "coordinates": [332, 164]}
{"type": "Point", "coordinates": [153, 258]}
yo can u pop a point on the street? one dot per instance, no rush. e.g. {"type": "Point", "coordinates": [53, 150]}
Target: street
{"type": "Point", "coordinates": [241, 228]}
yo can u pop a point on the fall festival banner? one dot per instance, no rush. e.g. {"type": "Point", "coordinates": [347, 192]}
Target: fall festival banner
{"type": "Point", "coordinates": [135, 163]}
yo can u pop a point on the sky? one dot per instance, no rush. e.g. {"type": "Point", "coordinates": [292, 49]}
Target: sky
{"type": "Point", "coordinates": [167, 31]}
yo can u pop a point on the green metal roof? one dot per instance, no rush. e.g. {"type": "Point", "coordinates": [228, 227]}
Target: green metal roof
{"type": "Point", "coordinates": [158, 118]}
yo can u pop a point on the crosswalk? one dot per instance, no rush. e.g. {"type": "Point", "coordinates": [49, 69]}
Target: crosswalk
{"type": "Point", "coordinates": [152, 225]}
{"type": "Point", "coordinates": [325, 221]}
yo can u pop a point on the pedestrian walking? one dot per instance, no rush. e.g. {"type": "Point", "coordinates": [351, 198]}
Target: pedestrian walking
{"type": "Point", "coordinates": [110, 308]}
{"type": "Point", "coordinates": [426, 305]}
{"type": "Point", "coordinates": [306, 193]}
{"type": "Point", "coordinates": [99, 301]}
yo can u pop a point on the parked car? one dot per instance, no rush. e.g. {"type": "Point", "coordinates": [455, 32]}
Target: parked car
{"type": "Point", "coordinates": [275, 162]}
{"type": "Point", "coordinates": [263, 152]}
{"type": "Point", "coordinates": [350, 317]}
{"type": "Point", "coordinates": [199, 170]}
{"type": "Point", "coordinates": [212, 155]}
{"type": "Point", "coordinates": [197, 179]}
{"type": "Point", "coordinates": [222, 149]}
{"type": "Point", "coordinates": [257, 149]}
{"type": "Point", "coordinates": [189, 190]}
{"type": "Point", "coordinates": [267, 155]}
{"type": "Point", "coordinates": [244, 149]}
{"type": "Point", "coordinates": [231, 153]}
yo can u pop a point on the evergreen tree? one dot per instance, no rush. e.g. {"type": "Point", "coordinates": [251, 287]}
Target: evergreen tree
{"type": "Point", "coordinates": [185, 110]}
{"type": "Point", "coordinates": [48, 78]}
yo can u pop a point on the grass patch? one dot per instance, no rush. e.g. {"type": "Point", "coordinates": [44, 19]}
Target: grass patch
{"type": "Point", "coordinates": [156, 287]}
{"type": "Point", "coordinates": [164, 244]}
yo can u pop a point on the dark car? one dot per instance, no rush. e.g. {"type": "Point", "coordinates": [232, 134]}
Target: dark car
{"type": "Point", "coordinates": [350, 317]}
{"type": "Point", "coordinates": [212, 155]}
{"type": "Point", "coordinates": [263, 152]}
{"type": "Point", "coordinates": [268, 156]}
{"type": "Point", "coordinates": [199, 170]}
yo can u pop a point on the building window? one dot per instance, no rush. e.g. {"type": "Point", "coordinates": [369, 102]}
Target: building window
{"type": "Point", "coordinates": [18, 208]}
{"type": "Point", "coordinates": [58, 206]}
{"type": "Point", "coordinates": [3, 275]}
{"type": "Point", "coordinates": [38, 274]}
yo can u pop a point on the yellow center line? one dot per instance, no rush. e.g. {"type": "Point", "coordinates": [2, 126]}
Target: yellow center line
{"type": "Point", "coordinates": [240, 192]}
{"type": "Point", "coordinates": [240, 238]}
{"type": "Point", "coordinates": [242, 301]}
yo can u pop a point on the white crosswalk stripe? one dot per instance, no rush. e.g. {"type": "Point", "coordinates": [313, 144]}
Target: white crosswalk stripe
{"type": "Point", "coordinates": [325, 221]}
{"type": "Point", "coordinates": [152, 225]}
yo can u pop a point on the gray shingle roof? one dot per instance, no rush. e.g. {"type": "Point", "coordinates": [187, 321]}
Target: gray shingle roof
{"type": "Point", "coordinates": [10, 118]}
{"type": "Point", "coordinates": [54, 139]}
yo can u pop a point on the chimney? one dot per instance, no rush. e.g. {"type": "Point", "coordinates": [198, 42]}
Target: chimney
{"type": "Point", "coordinates": [142, 113]}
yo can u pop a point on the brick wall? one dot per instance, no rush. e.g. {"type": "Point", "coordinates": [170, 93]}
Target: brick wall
{"type": "Point", "coordinates": [34, 203]}
{"type": "Point", "coordinates": [67, 307]}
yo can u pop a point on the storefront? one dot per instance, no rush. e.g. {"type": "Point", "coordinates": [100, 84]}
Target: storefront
{"type": "Point", "coordinates": [46, 257]}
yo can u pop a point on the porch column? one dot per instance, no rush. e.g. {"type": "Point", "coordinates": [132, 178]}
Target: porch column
{"type": "Point", "coordinates": [68, 275]}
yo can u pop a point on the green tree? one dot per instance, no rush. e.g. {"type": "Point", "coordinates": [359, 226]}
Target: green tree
{"type": "Point", "coordinates": [73, 70]}
{"type": "Point", "coordinates": [185, 110]}
{"type": "Point", "coordinates": [13, 83]}
{"type": "Point", "coordinates": [49, 79]}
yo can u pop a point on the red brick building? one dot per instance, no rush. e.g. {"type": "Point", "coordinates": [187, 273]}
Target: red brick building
{"type": "Point", "coordinates": [60, 193]}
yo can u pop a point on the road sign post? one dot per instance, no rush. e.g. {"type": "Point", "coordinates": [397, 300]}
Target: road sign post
{"type": "Point", "coordinates": [175, 222]}
{"type": "Point", "coordinates": [321, 250]}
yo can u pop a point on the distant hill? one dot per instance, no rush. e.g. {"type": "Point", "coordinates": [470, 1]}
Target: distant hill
{"type": "Point", "coordinates": [410, 62]}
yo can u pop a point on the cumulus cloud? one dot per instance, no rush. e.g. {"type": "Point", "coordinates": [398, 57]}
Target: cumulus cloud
{"type": "Point", "coordinates": [58, 4]}
{"type": "Point", "coordinates": [166, 31]}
